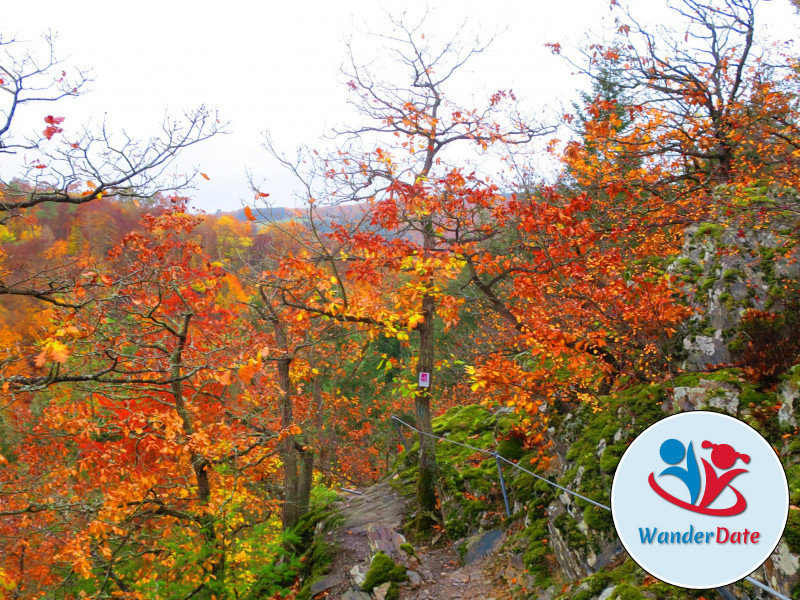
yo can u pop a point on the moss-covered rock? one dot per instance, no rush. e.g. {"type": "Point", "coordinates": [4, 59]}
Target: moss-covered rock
{"type": "Point", "coordinates": [306, 554]}
{"type": "Point", "coordinates": [381, 570]}
{"type": "Point", "coordinates": [393, 593]}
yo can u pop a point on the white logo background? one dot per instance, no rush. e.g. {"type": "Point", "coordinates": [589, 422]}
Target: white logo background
{"type": "Point", "coordinates": [635, 505]}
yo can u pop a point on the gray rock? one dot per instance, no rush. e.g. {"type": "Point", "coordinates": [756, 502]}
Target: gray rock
{"type": "Point", "coordinates": [387, 540]}
{"type": "Point", "coordinates": [359, 574]}
{"type": "Point", "coordinates": [414, 579]}
{"type": "Point", "coordinates": [601, 446]}
{"type": "Point", "coordinates": [606, 593]}
{"type": "Point", "coordinates": [482, 545]}
{"type": "Point", "coordinates": [783, 568]}
{"type": "Point", "coordinates": [715, 394]}
{"type": "Point", "coordinates": [548, 594]}
{"type": "Point", "coordinates": [737, 273]}
{"type": "Point", "coordinates": [355, 595]}
{"type": "Point", "coordinates": [380, 591]}
{"type": "Point", "coordinates": [326, 584]}
{"type": "Point", "coordinates": [591, 559]}
{"type": "Point", "coordinates": [788, 394]}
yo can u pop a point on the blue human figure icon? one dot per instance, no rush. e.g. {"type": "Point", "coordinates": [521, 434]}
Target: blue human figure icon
{"type": "Point", "coordinates": [672, 453]}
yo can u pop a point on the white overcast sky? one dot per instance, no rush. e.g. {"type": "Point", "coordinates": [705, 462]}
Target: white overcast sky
{"type": "Point", "coordinates": [275, 65]}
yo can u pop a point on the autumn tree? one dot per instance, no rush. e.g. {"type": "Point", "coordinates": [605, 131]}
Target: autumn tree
{"type": "Point", "coordinates": [69, 168]}
{"type": "Point", "coordinates": [73, 166]}
{"type": "Point", "coordinates": [301, 351]}
{"type": "Point", "coordinates": [709, 106]}
{"type": "Point", "coordinates": [390, 262]}
{"type": "Point", "coordinates": [303, 363]}
{"type": "Point", "coordinates": [681, 127]}
{"type": "Point", "coordinates": [157, 435]}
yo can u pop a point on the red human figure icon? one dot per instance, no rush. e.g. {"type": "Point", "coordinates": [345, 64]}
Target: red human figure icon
{"type": "Point", "coordinates": [724, 457]}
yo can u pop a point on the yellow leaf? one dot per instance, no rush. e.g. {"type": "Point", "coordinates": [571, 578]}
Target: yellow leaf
{"type": "Point", "coordinates": [59, 352]}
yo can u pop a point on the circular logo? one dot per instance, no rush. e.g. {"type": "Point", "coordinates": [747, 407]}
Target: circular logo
{"type": "Point", "coordinates": [700, 500]}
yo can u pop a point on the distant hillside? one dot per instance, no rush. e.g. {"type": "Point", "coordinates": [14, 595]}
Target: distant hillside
{"type": "Point", "coordinates": [282, 213]}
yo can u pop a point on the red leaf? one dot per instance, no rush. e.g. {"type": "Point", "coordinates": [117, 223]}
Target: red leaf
{"type": "Point", "coordinates": [249, 214]}
{"type": "Point", "coordinates": [554, 48]}
{"type": "Point", "coordinates": [52, 126]}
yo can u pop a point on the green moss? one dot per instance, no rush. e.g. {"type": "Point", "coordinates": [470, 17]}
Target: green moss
{"type": "Point", "coordinates": [724, 375]}
{"type": "Point", "coordinates": [710, 229]}
{"type": "Point", "coordinates": [687, 380]}
{"type": "Point", "coordinates": [727, 301]}
{"type": "Point", "coordinates": [611, 457]}
{"type": "Point", "coordinates": [455, 527]}
{"type": "Point", "coordinates": [383, 569]}
{"type": "Point", "coordinates": [393, 593]}
{"type": "Point", "coordinates": [598, 518]}
{"type": "Point", "coordinates": [469, 419]}
{"type": "Point", "coordinates": [737, 346]}
{"type": "Point", "coordinates": [408, 549]}
{"type": "Point", "coordinates": [510, 448]}
{"type": "Point", "coordinates": [752, 396]}
{"type": "Point", "coordinates": [732, 275]}
{"type": "Point", "coordinates": [626, 592]}
{"type": "Point", "coordinates": [792, 532]}
{"type": "Point", "coordinates": [574, 537]}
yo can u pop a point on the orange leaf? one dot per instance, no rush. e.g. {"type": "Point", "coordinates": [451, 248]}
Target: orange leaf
{"type": "Point", "coordinates": [59, 352]}
{"type": "Point", "coordinates": [249, 214]}
{"type": "Point", "coordinates": [206, 177]}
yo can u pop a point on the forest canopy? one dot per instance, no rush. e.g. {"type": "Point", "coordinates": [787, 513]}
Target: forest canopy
{"type": "Point", "coordinates": [178, 387]}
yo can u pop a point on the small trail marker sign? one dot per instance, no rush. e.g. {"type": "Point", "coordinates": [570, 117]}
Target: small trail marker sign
{"type": "Point", "coordinates": [424, 379]}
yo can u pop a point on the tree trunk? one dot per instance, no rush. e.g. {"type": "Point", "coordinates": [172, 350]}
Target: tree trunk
{"type": "Point", "coordinates": [304, 480]}
{"type": "Point", "coordinates": [290, 514]}
{"type": "Point", "coordinates": [199, 462]}
{"type": "Point", "coordinates": [298, 462]}
{"type": "Point", "coordinates": [428, 472]}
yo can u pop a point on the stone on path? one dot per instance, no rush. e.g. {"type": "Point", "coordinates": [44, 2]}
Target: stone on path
{"type": "Point", "coordinates": [380, 591]}
{"type": "Point", "coordinates": [387, 540]}
{"type": "Point", "coordinates": [355, 595]}
{"type": "Point", "coordinates": [359, 574]}
{"type": "Point", "coordinates": [414, 579]}
{"type": "Point", "coordinates": [483, 545]}
{"type": "Point", "coordinates": [326, 584]}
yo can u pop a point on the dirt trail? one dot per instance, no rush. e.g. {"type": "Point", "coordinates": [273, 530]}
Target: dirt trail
{"type": "Point", "coordinates": [371, 522]}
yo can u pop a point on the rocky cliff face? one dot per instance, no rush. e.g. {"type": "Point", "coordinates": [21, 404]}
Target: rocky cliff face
{"type": "Point", "coordinates": [584, 546]}
{"type": "Point", "coordinates": [725, 272]}
{"type": "Point", "coordinates": [560, 545]}
{"type": "Point", "coordinates": [566, 547]}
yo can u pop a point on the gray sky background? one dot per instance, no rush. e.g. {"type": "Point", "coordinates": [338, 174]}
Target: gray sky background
{"type": "Point", "coordinates": [275, 66]}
